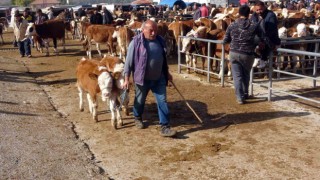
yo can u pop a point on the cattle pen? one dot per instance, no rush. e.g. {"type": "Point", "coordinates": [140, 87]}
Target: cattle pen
{"type": "Point", "coordinates": [274, 65]}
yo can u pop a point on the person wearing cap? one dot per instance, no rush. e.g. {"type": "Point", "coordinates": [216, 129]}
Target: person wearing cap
{"type": "Point", "coordinates": [19, 29]}
{"type": "Point", "coordinates": [241, 34]}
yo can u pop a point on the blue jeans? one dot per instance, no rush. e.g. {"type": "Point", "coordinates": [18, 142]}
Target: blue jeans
{"type": "Point", "coordinates": [241, 65]}
{"type": "Point", "coordinates": [159, 90]}
{"type": "Point", "coordinates": [24, 47]}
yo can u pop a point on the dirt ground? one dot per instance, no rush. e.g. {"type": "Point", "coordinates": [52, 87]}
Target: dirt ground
{"type": "Point", "coordinates": [258, 140]}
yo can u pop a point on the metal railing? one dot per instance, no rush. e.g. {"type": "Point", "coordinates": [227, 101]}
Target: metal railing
{"type": "Point", "coordinates": [314, 77]}
{"type": "Point", "coordinates": [208, 57]}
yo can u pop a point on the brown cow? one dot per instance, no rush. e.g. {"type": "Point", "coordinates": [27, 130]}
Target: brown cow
{"type": "Point", "coordinates": [52, 29]}
{"type": "Point", "coordinates": [124, 36]}
{"type": "Point", "coordinates": [4, 21]}
{"type": "Point", "coordinates": [100, 34]}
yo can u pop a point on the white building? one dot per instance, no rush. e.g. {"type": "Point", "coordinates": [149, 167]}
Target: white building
{"type": "Point", "coordinates": [5, 2]}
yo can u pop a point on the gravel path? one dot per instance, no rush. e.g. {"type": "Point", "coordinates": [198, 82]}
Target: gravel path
{"type": "Point", "coordinates": [36, 142]}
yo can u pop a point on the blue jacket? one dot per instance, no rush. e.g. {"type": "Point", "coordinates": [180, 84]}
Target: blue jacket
{"type": "Point", "coordinates": [137, 58]}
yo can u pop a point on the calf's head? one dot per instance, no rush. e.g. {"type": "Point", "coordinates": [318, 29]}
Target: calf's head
{"type": "Point", "coordinates": [31, 31]}
{"type": "Point", "coordinates": [105, 84]}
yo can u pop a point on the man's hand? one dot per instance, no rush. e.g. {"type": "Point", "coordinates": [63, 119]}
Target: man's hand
{"type": "Point", "coordinates": [126, 83]}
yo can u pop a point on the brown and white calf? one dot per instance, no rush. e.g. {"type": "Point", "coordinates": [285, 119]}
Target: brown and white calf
{"type": "Point", "coordinates": [99, 34]}
{"type": "Point", "coordinates": [92, 79]}
{"type": "Point", "coordinates": [124, 36]}
{"type": "Point", "coordinates": [115, 66]}
{"type": "Point", "coordinates": [192, 46]}
{"type": "Point", "coordinates": [52, 29]}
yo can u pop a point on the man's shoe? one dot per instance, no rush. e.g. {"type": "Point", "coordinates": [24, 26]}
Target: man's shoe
{"type": "Point", "coordinates": [138, 122]}
{"type": "Point", "coordinates": [29, 56]}
{"type": "Point", "coordinates": [262, 64]}
{"type": "Point", "coordinates": [167, 132]}
{"type": "Point", "coordinates": [240, 101]}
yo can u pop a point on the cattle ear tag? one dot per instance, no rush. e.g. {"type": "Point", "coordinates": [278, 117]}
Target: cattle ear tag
{"type": "Point", "coordinates": [93, 76]}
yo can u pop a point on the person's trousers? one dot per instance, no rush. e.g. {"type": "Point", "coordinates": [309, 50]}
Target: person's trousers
{"type": "Point", "coordinates": [24, 47]}
{"type": "Point", "coordinates": [241, 65]}
{"type": "Point", "coordinates": [158, 88]}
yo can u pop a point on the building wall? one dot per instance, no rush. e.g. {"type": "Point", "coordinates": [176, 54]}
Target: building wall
{"type": "Point", "coordinates": [5, 2]}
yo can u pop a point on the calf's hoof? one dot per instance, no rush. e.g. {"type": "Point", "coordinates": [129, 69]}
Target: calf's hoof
{"type": "Point", "coordinates": [113, 123]}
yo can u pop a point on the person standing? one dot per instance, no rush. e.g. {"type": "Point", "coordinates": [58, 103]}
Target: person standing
{"type": "Point", "coordinates": [96, 17]}
{"type": "Point", "coordinates": [106, 16]}
{"type": "Point", "coordinates": [146, 60]}
{"type": "Point", "coordinates": [81, 13]}
{"type": "Point", "coordinates": [19, 28]}
{"type": "Point", "coordinates": [41, 17]}
{"type": "Point", "coordinates": [204, 10]}
{"type": "Point", "coordinates": [50, 13]}
{"type": "Point", "coordinates": [241, 34]}
{"type": "Point", "coordinates": [268, 23]}
{"type": "Point", "coordinates": [197, 12]}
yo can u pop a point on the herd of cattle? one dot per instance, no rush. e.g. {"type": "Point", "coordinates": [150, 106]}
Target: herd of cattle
{"type": "Point", "coordinates": [106, 75]}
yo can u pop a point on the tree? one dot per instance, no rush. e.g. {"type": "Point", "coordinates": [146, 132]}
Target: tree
{"type": "Point", "coordinates": [22, 2]}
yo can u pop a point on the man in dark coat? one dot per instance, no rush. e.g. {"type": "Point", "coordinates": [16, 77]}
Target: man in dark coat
{"type": "Point", "coordinates": [268, 22]}
{"type": "Point", "coordinates": [96, 17]}
{"type": "Point", "coordinates": [106, 16]}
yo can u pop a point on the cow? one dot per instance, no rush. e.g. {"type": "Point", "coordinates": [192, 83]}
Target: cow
{"type": "Point", "coordinates": [93, 78]}
{"type": "Point", "coordinates": [100, 34]}
{"type": "Point", "coordinates": [52, 29]}
{"type": "Point", "coordinates": [124, 36]}
{"type": "Point", "coordinates": [198, 47]}
{"type": "Point", "coordinates": [115, 66]}
{"type": "Point", "coordinates": [177, 29]}
{"type": "Point", "coordinates": [4, 21]}
{"type": "Point", "coordinates": [301, 30]}
{"type": "Point", "coordinates": [92, 81]}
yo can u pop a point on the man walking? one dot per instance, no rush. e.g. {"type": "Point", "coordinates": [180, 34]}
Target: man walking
{"type": "Point", "coordinates": [241, 34]}
{"type": "Point", "coordinates": [19, 28]}
{"type": "Point", "coordinates": [146, 60]}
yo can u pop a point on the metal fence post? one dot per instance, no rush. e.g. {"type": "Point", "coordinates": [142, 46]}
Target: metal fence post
{"type": "Point", "coordinates": [251, 82]}
{"type": "Point", "coordinates": [222, 65]}
{"type": "Point", "coordinates": [209, 61]}
{"type": "Point", "coordinates": [179, 56]}
{"type": "Point", "coordinates": [315, 65]}
{"type": "Point", "coordinates": [270, 76]}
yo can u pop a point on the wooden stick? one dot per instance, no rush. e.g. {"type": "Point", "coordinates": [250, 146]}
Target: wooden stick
{"type": "Point", "coordinates": [187, 102]}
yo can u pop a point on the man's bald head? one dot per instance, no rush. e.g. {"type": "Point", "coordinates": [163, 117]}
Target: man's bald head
{"type": "Point", "coordinates": [150, 30]}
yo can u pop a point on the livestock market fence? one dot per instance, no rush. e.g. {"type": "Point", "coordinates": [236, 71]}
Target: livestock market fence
{"type": "Point", "coordinates": [207, 56]}
{"type": "Point", "coordinates": [274, 67]}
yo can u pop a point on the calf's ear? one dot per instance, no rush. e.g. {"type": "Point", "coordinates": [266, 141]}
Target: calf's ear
{"type": "Point", "coordinates": [93, 76]}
